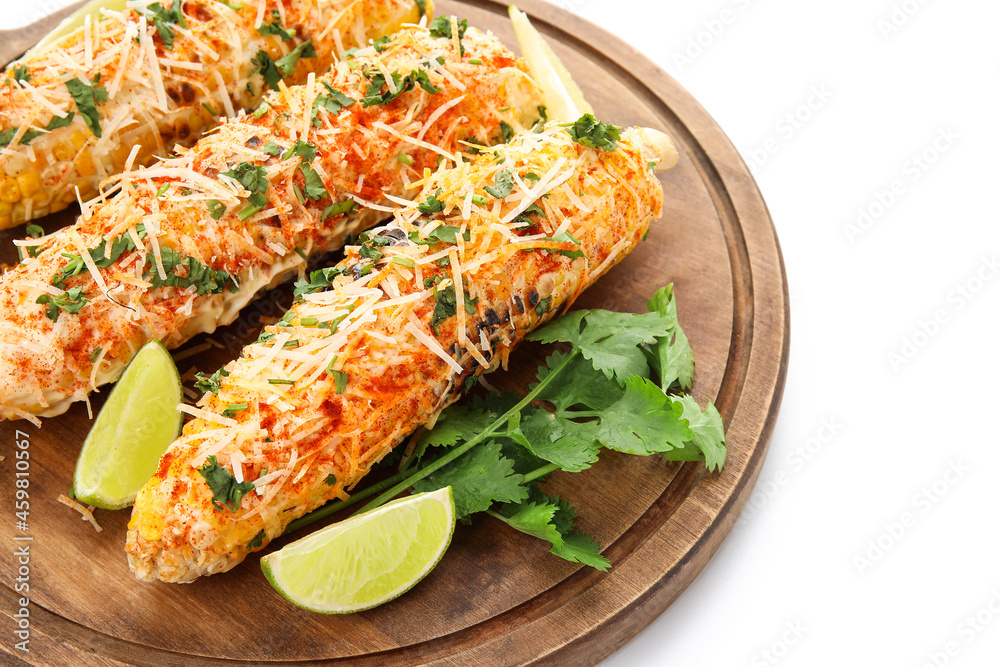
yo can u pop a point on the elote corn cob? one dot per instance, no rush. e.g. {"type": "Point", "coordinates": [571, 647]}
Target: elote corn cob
{"type": "Point", "coordinates": [154, 75]}
{"type": "Point", "coordinates": [189, 242]}
{"type": "Point", "coordinates": [382, 342]}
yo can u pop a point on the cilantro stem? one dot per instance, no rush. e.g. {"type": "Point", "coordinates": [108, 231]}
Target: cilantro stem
{"type": "Point", "coordinates": [540, 472]}
{"type": "Point", "coordinates": [442, 461]}
{"type": "Point", "coordinates": [336, 506]}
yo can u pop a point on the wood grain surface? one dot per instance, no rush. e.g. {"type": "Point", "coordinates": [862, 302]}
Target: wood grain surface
{"type": "Point", "coordinates": [498, 597]}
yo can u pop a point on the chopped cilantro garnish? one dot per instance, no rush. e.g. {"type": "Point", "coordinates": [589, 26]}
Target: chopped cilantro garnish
{"type": "Point", "coordinates": [267, 69]}
{"type": "Point", "coordinates": [275, 28]}
{"type": "Point", "coordinates": [382, 43]}
{"type": "Point", "coordinates": [589, 132]}
{"type": "Point", "coordinates": [165, 19]}
{"type": "Point", "coordinates": [340, 208]}
{"type": "Point", "coordinates": [72, 300]}
{"type": "Point", "coordinates": [331, 480]}
{"type": "Point", "coordinates": [447, 305]}
{"type": "Point", "coordinates": [333, 102]}
{"type": "Point", "coordinates": [94, 354]}
{"type": "Point", "coordinates": [543, 306]}
{"type": "Point", "coordinates": [374, 95]}
{"type": "Point", "coordinates": [405, 159]}
{"type": "Point", "coordinates": [21, 73]}
{"type": "Point", "coordinates": [226, 491]}
{"type": "Point", "coordinates": [314, 188]}
{"type": "Point", "coordinates": [506, 132]}
{"type": "Point", "coordinates": [258, 540]}
{"type": "Point", "coordinates": [254, 179]}
{"type": "Point", "coordinates": [209, 383]}
{"type": "Point", "coordinates": [422, 7]}
{"type": "Point", "coordinates": [87, 97]}
{"type": "Point", "coordinates": [209, 109]}
{"type": "Point", "coordinates": [318, 280]}
{"type": "Point", "coordinates": [340, 380]}
{"type": "Point", "coordinates": [196, 274]}
{"type": "Point", "coordinates": [503, 184]}
{"type": "Point", "coordinates": [441, 29]}
{"type": "Point", "coordinates": [286, 64]}
{"type": "Point", "coordinates": [216, 209]}
{"type": "Point", "coordinates": [432, 204]}
{"type": "Point", "coordinates": [53, 124]}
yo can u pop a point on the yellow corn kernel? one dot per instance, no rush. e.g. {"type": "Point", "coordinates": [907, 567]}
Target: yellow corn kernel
{"type": "Point", "coordinates": [78, 139]}
{"type": "Point", "coordinates": [63, 152]}
{"type": "Point", "coordinates": [5, 208]}
{"type": "Point", "coordinates": [5, 221]}
{"type": "Point", "coordinates": [85, 164]}
{"type": "Point", "coordinates": [197, 123]}
{"type": "Point", "coordinates": [30, 183]}
{"type": "Point", "coordinates": [9, 191]}
{"type": "Point", "coordinates": [69, 196]}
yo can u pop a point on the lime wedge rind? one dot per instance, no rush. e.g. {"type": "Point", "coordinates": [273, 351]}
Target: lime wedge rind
{"type": "Point", "coordinates": [136, 425]}
{"type": "Point", "coordinates": [366, 560]}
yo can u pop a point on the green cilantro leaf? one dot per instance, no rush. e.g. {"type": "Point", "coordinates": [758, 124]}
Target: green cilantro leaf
{"type": "Point", "coordinates": [447, 305]}
{"type": "Point", "coordinates": [20, 73]}
{"type": "Point", "coordinates": [374, 95]}
{"type": "Point", "coordinates": [478, 479]}
{"type": "Point", "coordinates": [432, 204]}
{"type": "Point", "coordinates": [314, 188]}
{"type": "Point", "coordinates": [226, 491]}
{"type": "Point", "coordinates": [287, 63]}
{"type": "Point", "coordinates": [643, 421]}
{"type": "Point", "coordinates": [318, 280]}
{"type": "Point", "coordinates": [165, 19]}
{"type": "Point", "coordinates": [216, 209]}
{"type": "Point", "coordinates": [87, 97]}
{"type": "Point", "coordinates": [580, 548]}
{"type": "Point", "coordinates": [589, 132]}
{"type": "Point", "coordinates": [553, 437]}
{"type": "Point", "coordinates": [72, 300]}
{"type": "Point", "coordinates": [333, 102]}
{"type": "Point", "coordinates": [440, 28]}
{"type": "Point", "coordinates": [53, 124]}
{"type": "Point", "coordinates": [267, 69]}
{"type": "Point", "coordinates": [274, 28]}
{"type": "Point", "coordinates": [210, 383]}
{"type": "Point", "coordinates": [503, 184]}
{"type": "Point", "coordinates": [708, 441]}
{"type": "Point", "coordinates": [608, 339]}
{"type": "Point", "coordinates": [340, 208]}
{"type": "Point", "coordinates": [671, 356]}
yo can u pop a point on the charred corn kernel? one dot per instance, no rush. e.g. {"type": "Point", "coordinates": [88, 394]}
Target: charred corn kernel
{"type": "Point", "coordinates": [10, 192]}
{"type": "Point", "coordinates": [29, 182]}
{"type": "Point", "coordinates": [133, 101]}
{"type": "Point", "coordinates": [252, 251]}
{"type": "Point", "coordinates": [359, 422]}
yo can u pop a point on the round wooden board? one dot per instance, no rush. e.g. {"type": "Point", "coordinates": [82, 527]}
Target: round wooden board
{"type": "Point", "coordinates": [498, 597]}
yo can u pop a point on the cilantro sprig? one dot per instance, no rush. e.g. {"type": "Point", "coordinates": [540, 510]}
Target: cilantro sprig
{"type": "Point", "coordinates": [618, 387]}
{"type": "Point", "coordinates": [87, 97]}
{"type": "Point", "coordinates": [226, 491]}
{"type": "Point", "coordinates": [590, 132]}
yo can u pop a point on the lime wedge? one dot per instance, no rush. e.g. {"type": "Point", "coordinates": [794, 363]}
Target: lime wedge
{"type": "Point", "coordinates": [563, 99]}
{"type": "Point", "coordinates": [133, 429]}
{"type": "Point", "coordinates": [368, 559]}
{"type": "Point", "coordinates": [76, 19]}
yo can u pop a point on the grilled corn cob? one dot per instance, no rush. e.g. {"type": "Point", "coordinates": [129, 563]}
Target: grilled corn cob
{"type": "Point", "coordinates": [156, 75]}
{"type": "Point", "coordinates": [382, 342]}
{"type": "Point", "coordinates": [189, 242]}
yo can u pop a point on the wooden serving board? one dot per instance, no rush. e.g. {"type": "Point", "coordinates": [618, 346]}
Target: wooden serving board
{"type": "Point", "coordinates": [498, 597]}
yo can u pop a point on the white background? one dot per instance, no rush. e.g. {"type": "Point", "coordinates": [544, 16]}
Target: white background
{"type": "Point", "coordinates": [872, 535]}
